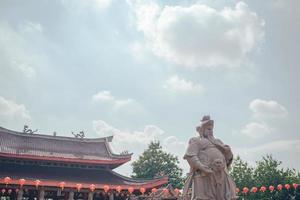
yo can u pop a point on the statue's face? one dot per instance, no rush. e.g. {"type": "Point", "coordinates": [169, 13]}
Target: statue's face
{"type": "Point", "coordinates": [208, 131]}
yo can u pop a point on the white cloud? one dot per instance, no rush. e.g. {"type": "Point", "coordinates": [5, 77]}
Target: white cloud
{"type": "Point", "coordinates": [102, 4]}
{"type": "Point", "coordinates": [103, 96]}
{"type": "Point", "coordinates": [256, 130]}
{"type": "Point", "coordinates": [29, 26]}
{"type": "Point", "coordinates": [181, 85]}
{"type": "Point", "coordinates": [267, 109]}
{"type": "Point", "coordinates": [12, 110]}
{"type": "Point", "coordinates": [198, 35]}
{"type": "Point", "coordinates": [137, 141]}
{"type": "Point", "coordinates": [106, 96]}
{"type": "Point", "coordinates": [16, 48]}
{"type": "Point", "coordinates": [77, 5]}
{"type": "Point", "coordinates": [134, 141]}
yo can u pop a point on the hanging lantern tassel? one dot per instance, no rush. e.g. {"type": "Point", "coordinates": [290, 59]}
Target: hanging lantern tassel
{"type": "Point", "coordinates": [7, 180]}
{"type": "Point", "coordinates": [130, 190]}
{"type": "Point", "coordinates": [154, 190]}
{"type": "Point", "coordinates": [119, 189]}
{"type": "Point", "coordinates": [254, 189]}
{"type": "Point", "coordinates": [22, 182]}
{"type": "Point", "coordinates": [263, 188]}
{"type": "Point", "coordinates": [295, 185]}
{"type": "Point", "coordinates": [62, 185]}
{"type": "Point", "coordinates": [37, 183]}
{"type": "Point", "coordinates": [165, 191]}
{"type": "Point", "coordinates": [106, 188]}
{"type": "Point", "coordinates": [78, 186]}
{"type": "Point", "coordinates": [142, 190]}
{"type": "Point", "coordinates": [176, 190]}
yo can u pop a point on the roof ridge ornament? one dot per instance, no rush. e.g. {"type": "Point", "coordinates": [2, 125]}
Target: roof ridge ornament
{"type": "Point", "coordinates": [80, 135]}
{"type": "Point", "coordinates": [27, 130]}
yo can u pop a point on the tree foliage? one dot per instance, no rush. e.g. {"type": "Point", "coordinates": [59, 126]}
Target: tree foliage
{"type": "Point", "coordinates": [267, 172]}
{"type": "Point", "coordinates": [154, 162]}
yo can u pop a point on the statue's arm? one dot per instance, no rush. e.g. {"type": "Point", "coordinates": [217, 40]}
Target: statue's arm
{"type": "Point", "coordinates": [226, 150]}
{"type": "Point", "coordinates": [191, 156]}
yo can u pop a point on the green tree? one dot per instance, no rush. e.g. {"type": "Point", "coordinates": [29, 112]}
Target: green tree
{"type": "Point", "coordinates": [268, 171]}
{"type": "Point", "coordinates": [242, 173]}
{"type": "Point", "coordinates": [154, 162]}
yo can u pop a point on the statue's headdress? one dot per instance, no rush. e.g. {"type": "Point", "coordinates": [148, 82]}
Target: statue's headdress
{"type": "Point", "coordinates": [204, 123]}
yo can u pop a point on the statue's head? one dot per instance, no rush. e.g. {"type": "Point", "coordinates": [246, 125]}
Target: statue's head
{"type": "Point", "coordinates": [206, 127]}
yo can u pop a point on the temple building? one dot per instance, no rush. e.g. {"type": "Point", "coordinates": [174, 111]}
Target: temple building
{"type": "Point", "coordinates": [37, 166]}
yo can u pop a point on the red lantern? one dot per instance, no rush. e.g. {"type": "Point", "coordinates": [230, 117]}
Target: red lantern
{"type": "Point", "coordinates": [287, 186]}
{"type": "Point", "coordinates": [254, 189]}
{"type": "Point", "coordinates": [142, 190]}
{"type": "Point", "coordinates": [295, 185]}
{"type": "Point", "coordinates": [279, 187]}
{"type": "Point", "coordinates": [154, 190]}
{"type": "Point", "coordinates": [237, 190]}
{"type": "Point", "coordinates": [106, 188]}
{"type": "Point", "coordinates": [263, 188]}
{"type": "Point", "coordinates": [78, 186]}
{"type": "Point", "coordinates": [119, 189]}
{"type": "Point", "coordinates": [271, 188]}
{"type": "Point", "coordinates": [130, 190]}
{"type": "Point", "coordinates": [165, 191]}
{"type": "Point", "coordinates": [22, 182]}
{"type": "Point", "coordinates": [176, 191]}
{"type": "Point", "coordinates": [62, 185]}
{"type": "Point", "coordinates": [245, 190]}
{"type": "Point", "coordinates": [7, 180]}
{"type": "Point", "coordinates": [92, 187]}
{"type": "Point", "coordinates": [37, 183]}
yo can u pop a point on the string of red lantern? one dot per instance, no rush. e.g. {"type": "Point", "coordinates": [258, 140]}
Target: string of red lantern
{"type": "Point", "coordinates": [271, 188]}
{"type": "Point", "coordinates": [92, 187]}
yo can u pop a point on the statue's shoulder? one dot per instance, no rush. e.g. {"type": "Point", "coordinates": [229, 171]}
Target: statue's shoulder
{"type": "Point", "coordinates": [199, 141]}
{"type": "Point", "coordinates": [195, 140]}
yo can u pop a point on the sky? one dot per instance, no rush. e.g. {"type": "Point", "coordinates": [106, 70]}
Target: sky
{"type": "Point", "coordinates": [149, 70]}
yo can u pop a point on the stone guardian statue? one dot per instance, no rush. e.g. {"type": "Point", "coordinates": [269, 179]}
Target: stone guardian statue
{"type": "Point", "coordinates": [209, 160]}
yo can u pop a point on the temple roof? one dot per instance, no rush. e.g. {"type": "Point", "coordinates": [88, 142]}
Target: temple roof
{"type": "Point", "coordinates": [52, 176]}
{"type": "Point", "coordinates": [39, 147]}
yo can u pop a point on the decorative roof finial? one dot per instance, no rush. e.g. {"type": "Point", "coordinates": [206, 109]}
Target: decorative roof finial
{"type": "Point", "coordinates": [27, 130]}
{"type": "Point", "coordinates": [79, 135]}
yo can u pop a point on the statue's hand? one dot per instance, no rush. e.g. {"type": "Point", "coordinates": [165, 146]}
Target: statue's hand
{"type": "Point", "coordinates": [206, 169]}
